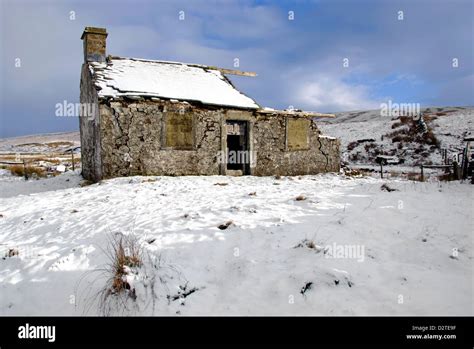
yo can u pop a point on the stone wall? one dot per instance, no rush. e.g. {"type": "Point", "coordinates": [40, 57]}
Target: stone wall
{"type": "Point", "coordinates": [89, 129]}
{"type": "Point", "coordinates": [275, 158]}
{"type": "Point", "coordinates": [133, 142]}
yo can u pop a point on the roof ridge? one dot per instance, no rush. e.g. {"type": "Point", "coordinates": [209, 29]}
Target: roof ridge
{"type": "Point", "coordinates": [162, 62]}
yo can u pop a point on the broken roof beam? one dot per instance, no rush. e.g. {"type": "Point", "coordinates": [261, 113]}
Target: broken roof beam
{"type": "Point", "coordinates": [296, 113]}
{"type": "Point", "coordinates": [234, 72]}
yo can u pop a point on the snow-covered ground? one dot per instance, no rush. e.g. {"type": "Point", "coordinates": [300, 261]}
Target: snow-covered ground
{"type": "Point", "coordinates": [412, 248]}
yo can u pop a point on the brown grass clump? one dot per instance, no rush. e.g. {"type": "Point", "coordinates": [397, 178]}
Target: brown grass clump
{"type": "Point", "coordinates": [12, 252]}
{"type": "Point", "coordinates": [31, 171]}
{"type": "Point", "coordinates": [225, 225]}
{"type": "Point", "coordinates": [300, 198]}
{"type": "Point", "coordinates": [149, 180]}
{"type": "Point", "coordinates": [309, 244]}
{"type": "Point", "coordinates": [124, 253]}
{"type": "Point", "coordinates": [59, 144]}
{"type": "Point", "coordinates": [45, 159]}
{"type": "Point", "coordinates": [414, 176]}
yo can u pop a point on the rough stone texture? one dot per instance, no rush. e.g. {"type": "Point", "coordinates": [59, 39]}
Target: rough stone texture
{"type": "Point", "coordinates": [133, 140]}
{"type": "Point", "coordinates": [89, 129]}
{"type": "Point", "coordinates": [94, 47]}
{"type": "Point", "coordinates": [274, 157]}
{"type": "Point", "coordinates": [129, 139]}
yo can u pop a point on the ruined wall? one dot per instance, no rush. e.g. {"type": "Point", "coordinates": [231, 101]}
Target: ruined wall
{"type": "Point", "coordinates": [134, 141]}
{"type": "Point", "coordinates": [276, 157]}
{"type": "Point", "coordinates": [89, 128]}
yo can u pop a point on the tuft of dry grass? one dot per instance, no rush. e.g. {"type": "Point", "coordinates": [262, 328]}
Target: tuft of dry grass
{"type": "Point", "coordinates": [11, 253]}
{"type": "Point", "coordinates": [225, 225]}
{"type": "Point", "coordinates": [124, 253]}
{"type": "Point", "coordinates": [386, 188]}
{"type": "Point", "coordinates": [45, 159]}
{"type": "Point", "coordinates": [300, 198]}
{"type": "Point", "coordinates": [309, 244]}
{"type": "Point", "coordinates": [31, 171]}
{"type": "Point", "coordinates": [59, 144]}
{"type": "Point", "coordinates": [414, 176]}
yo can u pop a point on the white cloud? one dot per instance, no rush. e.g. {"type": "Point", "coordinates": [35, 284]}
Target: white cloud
{"type": "Point", "coordinates": [328, 93]}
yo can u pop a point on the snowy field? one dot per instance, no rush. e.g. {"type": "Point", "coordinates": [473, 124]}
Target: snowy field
{"type": "Point", "coordinates": [367, 251]}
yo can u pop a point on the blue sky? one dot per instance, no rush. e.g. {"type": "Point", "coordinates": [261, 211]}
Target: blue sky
{"type": "Point", "coordinates": [299, 62]}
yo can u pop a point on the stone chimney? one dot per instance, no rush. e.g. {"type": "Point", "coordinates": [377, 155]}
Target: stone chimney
{"type": "Point", "coordinates": [94, 40]}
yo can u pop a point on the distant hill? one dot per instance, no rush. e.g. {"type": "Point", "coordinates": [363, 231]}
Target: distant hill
{"type": "Point", "coordinates": [41, 143]}
{"type": "Point", "coordinates": [366, 134]}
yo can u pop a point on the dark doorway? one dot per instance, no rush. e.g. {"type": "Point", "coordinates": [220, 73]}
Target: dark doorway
{"type": "Point", "coordinates": [238, 155]}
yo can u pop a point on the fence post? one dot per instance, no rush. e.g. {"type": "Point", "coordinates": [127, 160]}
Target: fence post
{"type": "Point", "coordinates": [422, 177]}
{"type": "Point", "coordinates": [72, 157]}
{"type": "Point", "coordinates": [381, 169]}
{"type": "Point", "coordinates": [24, 170]}
{"type": "Point", "coordinates": [456, 170]}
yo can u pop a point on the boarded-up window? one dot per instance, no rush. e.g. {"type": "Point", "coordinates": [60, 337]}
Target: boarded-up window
{"type": "Point", "coordinates": [179, 130]}
{"type": "Point", "coordinates": [297, 133]}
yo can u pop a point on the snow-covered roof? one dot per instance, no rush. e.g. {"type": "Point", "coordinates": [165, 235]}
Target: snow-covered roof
{"type": "Point", "coordinates": [189, 82]}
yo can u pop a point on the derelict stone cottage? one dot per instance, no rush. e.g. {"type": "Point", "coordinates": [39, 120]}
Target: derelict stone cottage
{"type": "Point", "coordinates": [169, 118]}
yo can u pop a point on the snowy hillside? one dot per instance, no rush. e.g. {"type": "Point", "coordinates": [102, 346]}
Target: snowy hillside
{"type": "Point", "coordinates": [366, 134]}
{"type": "Point", "coordinates": [324, 245]}
{"type": "Point", "coordinates": [40, 143]}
